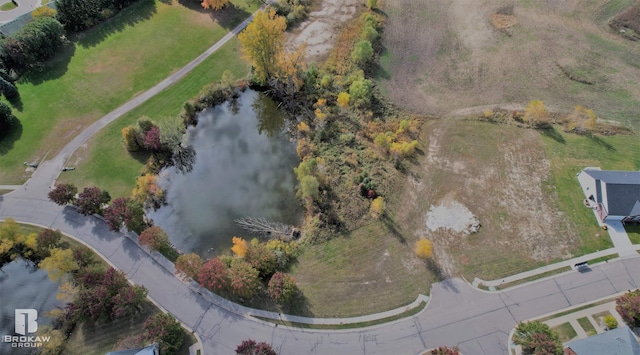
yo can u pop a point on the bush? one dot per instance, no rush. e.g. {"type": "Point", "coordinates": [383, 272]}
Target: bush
{"type": "Point", "coordinates": [423, 248]}
{"type": "Point", "coordinates": [362, 53]}
{"type": "Point", "coordinates": [189, 265]}
{"type": "Point", "coordinates": [244, 279]}
{"type": "Point", "coordinates": [43, 11]}
{"type": "Point", "coordinates": [261, 258]}
{"type": "Point", "coordinates": [214, 275]}
{"type": "Point", "coordinates": [282, 287]}
{"type": "Point", "coordinates": [610, 321]}
{"type": "Point", "coordinates": [628, 306]}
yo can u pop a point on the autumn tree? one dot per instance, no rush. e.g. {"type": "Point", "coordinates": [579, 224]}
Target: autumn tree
{"type": "Point", "coordinates": [188, 265]}
{"type": "Point", "coordinates": [362, 53]}
{"type": "Point", "coordinates": [282, 287]}
{"type": "Point", "coordinates": [251, 347]}
{"type": "Point", "coordinates": [628, 306]}
{"type": "Point", "coordinates": [43, 11]}
{"type": "Point", "coordinates": [63, 194]}
{"type": "Point", "coordinates": [262, 41]}
{"type": "Point", "coordinates": [244, 279]}
{"type": "Point", "coordinates": [124, 211]}
{"type": "Point", "coordinates": [154, 237]}
{"type": "Point", "coordinates": [377, 207]}
{"type": "Point", "coordinates": [130, 138]}
{"type": "Point", "coordinates": [291, 69]}
{"type": "Point", "coordinates": [443, 350]}
{"type": "Point", "coordinates": [11, 238]}
{"type": "Point", "coordinates": [214, 275]}
{"type": "Point", "coordinates": [91, 199]}
{"type": "Point", "coordinates": [214, 4]}
{"type": "Point", "coordinates": [582, 119]}
{"type": "Point", "coordinates": [239, 247]}
{"type": "Point", "coordinates": [147, 191]}
{"type": "Point", "coordinates": [166, 331]}
{"type": "Point", "coordinates": [261, 258]}
{"type": "Point", "coordinates": [536, 114]}
{"type": "Point", "coordinates": [423, 248]}
{"type": "Point", "coordinates": [343, 100]}
{"type": "Point", "coordinates": [59, 263]}
{"type": "Point", "coordinates": [537, 338]}
{"type": "Point", "coordinates": [47, 239]}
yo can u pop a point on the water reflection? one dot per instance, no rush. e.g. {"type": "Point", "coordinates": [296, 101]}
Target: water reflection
{"type": "Point", "coordinates": [22, 285]}
{"type": "Point", "coordinates": [244, 168]}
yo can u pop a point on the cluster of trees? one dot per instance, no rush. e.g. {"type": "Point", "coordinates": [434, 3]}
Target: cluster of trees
{"type": "Point", "coordinates": [293, 11]}
{"type": "Point", "coordinates": [253, 265]}
{"type": "Point", "coordinates": [628, 306]}
{"type": "Point", "coordinates": [30, 46]}
{"type": "Point", "coordinates": [537, 338]}
{"type": "Point", "coordinates": [443, 350]}
{"type": "Point", "coordinates": [78, 15]}
{"type": "Point", "coordinates": [7, 118]}
{"type": "Point", "coordinates": [251, 347]}
{"type": "Point", "coordinates": [164, 330]}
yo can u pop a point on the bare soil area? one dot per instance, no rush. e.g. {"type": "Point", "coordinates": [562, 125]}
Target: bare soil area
{"type": "Point", "coordinates": [322, 27]}
{"type": "Point", "coordinates": [499, 174]}
{"type": "Point", "coordinates": [443, 55]}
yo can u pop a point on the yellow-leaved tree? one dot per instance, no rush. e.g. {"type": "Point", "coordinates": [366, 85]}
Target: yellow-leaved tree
{"type": "Point", "coordinates": [59, 263]}
{"type": "Point", "coordinates": [262, 41]}
{"type": "Point", "coordinates": [423, 248]}
{"type": "Point", "coordinates": [291, 69]}
{"type": "Point", "coordinates": [214, 4]}
{"type": "Point", "coordinates": [536, 114]}
{"type": "Point", "coordinates": [377, 207]}
{"type": "Point", "coordinates": [343, 100]}
{"type": "Point", "coordinates": [239, 247]}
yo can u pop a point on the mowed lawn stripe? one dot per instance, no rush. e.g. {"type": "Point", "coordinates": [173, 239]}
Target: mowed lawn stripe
{"type": "Point", "coordinates": [103, 68]}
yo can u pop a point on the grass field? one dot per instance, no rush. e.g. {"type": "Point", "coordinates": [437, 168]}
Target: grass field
{"type": "Point", "coordinates": [569, 154]}
{"type": "Point", "coordinates": [104, 67]}
{"type": "Point", "coordinates": [104, 161]}
{"type": "Point", "coordinates": [565, 331]}
{"type": "Point", "coordinates": [366, 271]}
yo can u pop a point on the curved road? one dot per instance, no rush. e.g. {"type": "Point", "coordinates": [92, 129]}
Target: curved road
{"type": "Point", "coordinates": [478, 322]}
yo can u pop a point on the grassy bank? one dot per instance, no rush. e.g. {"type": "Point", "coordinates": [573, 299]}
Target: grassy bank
{"type": "Point", "coordinates": [104, 161]}
{"type": "Point", "coordinates": [104, 67]}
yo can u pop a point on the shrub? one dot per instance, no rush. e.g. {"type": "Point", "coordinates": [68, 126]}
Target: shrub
{"type": "Point", "coordinates": [261, 258]}
{"type": "Point", "coordinates": [628, 306]}
{"type": "Point", "coordinates": [610, 321]}
{"type": "Point", "coordinates": [360, 92]}
{"type": "Point", "coordinates": [244, 279]}
{"type": "Point", "coordinates": [369, 33]}
{"type": "Point", "coordinates": [282, 287]}
{"type": "Point", "coordinates": [362, 53]}
{"type": "Point", "coordinates": [239, 247]}
{"type": "Point", "coordinates": [343, 100]}
{"type": "Point", "coordinates": [536, 114]}
{"type": "Point", "coordinates": [443, 350]}
{"type": "Point", "coordinates": [377, 207]}
{"type": "Point", "coordinates": [43, 11]}
{"type": "Point", "coordinates": [423, 248]}
{"type": "Point", "coordinates": [537, 338]}
{"type": "Point", "coordinates": [214, 275]}
{"type": "Point", "coordinates": [188, 265]}
{"type": "Point", "coordinates": [371, 4]}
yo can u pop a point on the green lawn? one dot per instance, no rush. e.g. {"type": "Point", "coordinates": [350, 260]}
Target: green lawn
{"type": "Point", "coordinates": [565, 331]}
{"type": "Point", "coordinates": [107, 164]}
{"type": "Point", "coordinates": [104, 67]}
{"type": "Point", "coordinates": [633, 231]}
{"type": "Point", "coordinates": [587, 326]}
{"type": "Point", "coordinates": [7, 6]}
{"type": "Point", "coordinates": [569, 154]}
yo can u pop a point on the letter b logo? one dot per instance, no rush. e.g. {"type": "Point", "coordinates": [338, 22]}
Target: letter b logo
{"type": "Point", "coordinates": [26, 321]}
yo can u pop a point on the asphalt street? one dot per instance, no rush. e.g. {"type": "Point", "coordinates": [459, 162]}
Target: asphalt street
{"type": "Point", "coordinates": [457, 314]}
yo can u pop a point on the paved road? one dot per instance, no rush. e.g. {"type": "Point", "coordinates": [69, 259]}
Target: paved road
{"type": "Point", "coordinates": [478, 322]}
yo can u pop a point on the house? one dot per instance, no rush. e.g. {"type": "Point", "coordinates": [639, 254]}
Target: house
{"type": "Point", "coordinates": [619, 341]}
{"type": "Point", "coordinates": [152, 349]}
{"type": "Point", "coordinates": [614, 195]}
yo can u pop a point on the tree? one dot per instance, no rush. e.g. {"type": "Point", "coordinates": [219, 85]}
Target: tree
{"type": "Point", "coordinates": [91, 199]}
{"type": "Point", "coordinates": [360, 91]}
{"type": "Point", "coordinates": [343, 100]}
{"type": "Point", "coordinates": [33, 44]}
{"type": "Point", "coordinates": [536, 114]}
{"type": "Point", "coordinates": [6, 118]}
{"type": "Point", "coordinates": [369, 33]}
{"type": "Point", "coordinates": [127, 212]}
{"type": "Point", "coordinates": [48, 239]}
{"type": "Point", "coordinates": [583, 118]}
{"type": "Point", "coordinates": [166, 331]}
{"type": "Point", "coordinates": [423, 248]}
{"type": "Point", "coordinates": [59, 263]}
{"type": "Point", "coordinates": [151, 140]}
{"type": "Point", "coordinates": [261, 41]}
{"type": "Point", "coordinates": [214, 275]}
{"type": "Point", "coordinates": [362, 53]}
{"type": "Point", "coordinates": [282, 287]}
{"type": "Point", "coordinates": [8, 89]}
{"type": "Point", "coordinates": [309, 187]}
{"type": "Point", "coordinates": [189, 265]}
{"type": "Point", "coordinates": [377, 207]}
{"type": "Point", "coordinates": [537, 338]}
{"type": "Point", "coordinates": [261, 258]}
{"type": "Point", "coordinates": [443, 350]}
{"type": "Point", "coordinates": [147, 191]}
{"type": "Point", "coordinates": [371, 4]}
{"type": "Point", "coordinates": [63, 194]}
{"type": "Point", "coordinates": [628, 306]}
{"type": "Point", "coordinates": [244, 278]}
{"type": "Point", "coordinates": [43, 11]}
{"type": "Point", "coordinates": [214, 4]}
{"type": "Point", "coordinates": [130, 138]}
{"type": "Point", "coordinates": [291, 70]}
{"type": "Point", "coordinates": [154, 237]}
{"type": "Point", "coordinates": [239, 247]}
{"type": "Point", "coordinates": [250, 347]}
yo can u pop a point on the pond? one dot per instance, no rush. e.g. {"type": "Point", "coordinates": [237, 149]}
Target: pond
{"type": "Point", "coordinates": [22, 286]}
{"type": "Point", "coordinates": [243, 167]}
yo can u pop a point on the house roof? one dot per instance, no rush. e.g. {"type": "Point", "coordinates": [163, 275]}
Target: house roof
{"type": "Point", "coordinates": [619, 341]}
{"type": "Point", "coordinates": [622, 190]}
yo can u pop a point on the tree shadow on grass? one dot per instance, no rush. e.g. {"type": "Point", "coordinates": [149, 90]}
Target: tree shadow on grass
{"type": "Point", "coordinates": [8, 139]}
{"type": "Point", "coordinates": [229, 17]}
{"type": "Point", "coordinates": [16, 102]}
{"type": "Point", "coordinates": [51, 70]}
{"type": "Point", "coordinates": [599, 141]}
{"type": "Point", "coordinates": [553, 134]}
{"type": "Point", "coordinates": [135, 13]}
{"type": "Point", "coordinates": [392, 226]}
{"type": "Point", "coordinates": [141, 156]}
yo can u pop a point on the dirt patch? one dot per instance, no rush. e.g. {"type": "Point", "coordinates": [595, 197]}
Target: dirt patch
{"type": "Point", "coordinates": [502, 174]}
{"type": "Point", "coordinates": [452, 215]}
{"type": "Point", "coordinates": [627, 23]}
{"type": "Point", "coordinates": [443, 55]}
{"type": "Point", "coordinates": [322, 27]}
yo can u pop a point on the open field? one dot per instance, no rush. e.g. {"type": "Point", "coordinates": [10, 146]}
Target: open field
{"type": "Point", "coordinates": [446, 55]}
{"type": "Point", "coordinates": [365, 271]}
{"type": "Point", "coordinates": [103, 161]}
{"type": "Point", "coordinates": [519, 183]}
{"type": "Point", "coordinates": [104, 67]}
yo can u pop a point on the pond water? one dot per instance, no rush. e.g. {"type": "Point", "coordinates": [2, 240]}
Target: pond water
{"type": "Point", "coordinates": [24, 286]}
{"type": "Point", "coordinates": [243, 167]}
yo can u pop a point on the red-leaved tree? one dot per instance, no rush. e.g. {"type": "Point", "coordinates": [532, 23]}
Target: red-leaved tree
{"type": "Point", "coordinates": [127, 212]}
{"type": "Point", "coordinates": [282, 287]}
{"type": "Point", "coordinates": [214, 275]}
{"type": "Point", "coordinates": [188, 265]}
{"type": "Point", "coordinates": [63, 194]}
{"type": "Point", "coordinates": [443, 350]}
{"type": "Point", "coordinates": [152, 139]}
{"type": "Point", "coordinates": [91, 199]}
{"type": "Point", "coordinates": [154, 237]}
{"type": "Point", "coordinates": [250, 347]}
{"type": "Point", "coordinates": [166, 331]}
{"type": "Point", "coordinates": [628, 305]}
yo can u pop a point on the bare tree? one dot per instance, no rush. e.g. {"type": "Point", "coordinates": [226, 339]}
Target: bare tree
{"type": "Point", "coordinates": [267, 228]}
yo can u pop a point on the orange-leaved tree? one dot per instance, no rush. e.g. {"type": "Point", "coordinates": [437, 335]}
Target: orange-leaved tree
{"type": "Point", "coordinates": [214, 4]}
{"type": "Point", "coordinates": [262, 41]}
{"type": "Point", "coordinates": [239, 247]}
{"type": "Point", "coordinates": [423, 248]}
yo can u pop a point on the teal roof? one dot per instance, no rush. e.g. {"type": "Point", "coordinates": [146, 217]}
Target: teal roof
{"type": "Point", "coordinates": [619, 341]}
